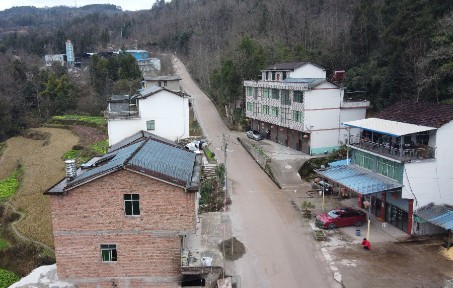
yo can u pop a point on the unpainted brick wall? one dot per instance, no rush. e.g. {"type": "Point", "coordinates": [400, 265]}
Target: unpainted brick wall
{"type": "Point", "coordinates": [93, 214]}
{"type": "Point", "coordinates": [99, 205]}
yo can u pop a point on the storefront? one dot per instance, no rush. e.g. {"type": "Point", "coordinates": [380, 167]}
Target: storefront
{"type": "Point", "coordinates": [379, 195]}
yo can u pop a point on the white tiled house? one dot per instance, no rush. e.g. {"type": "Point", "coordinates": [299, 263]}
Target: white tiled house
{"type": "Point", "coordinates": [300, 107]}
{"type": "Point", "coordinates": [155, 109]}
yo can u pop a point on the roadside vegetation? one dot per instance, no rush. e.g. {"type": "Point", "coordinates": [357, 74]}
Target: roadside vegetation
{"type": "Point", "coordinates": [306, 171]}
{"type": "Point", "coordinates": [213, 197]}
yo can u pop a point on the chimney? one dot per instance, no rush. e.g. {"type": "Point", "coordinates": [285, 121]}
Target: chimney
{"type": "Point", "coordinates": [71, 170]}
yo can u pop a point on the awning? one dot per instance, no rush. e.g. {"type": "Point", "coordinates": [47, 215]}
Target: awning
{"type": "Point", "coordinates": [359, 179]}
{"type": "Point", "coordinates": [339, 163]}
{"type": "Point", "coordinates": [437, 215]}
{"type": "Point", "coordinates": [392, 128]}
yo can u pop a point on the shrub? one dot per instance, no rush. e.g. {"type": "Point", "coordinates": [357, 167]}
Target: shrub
{"type": "Point", "coordinates": [7, 278]}
{"type": "Point", "coordinates": [3, 243]}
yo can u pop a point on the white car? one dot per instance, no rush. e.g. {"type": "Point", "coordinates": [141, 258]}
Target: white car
{"type": "Point", "coordinates": [196, 146]}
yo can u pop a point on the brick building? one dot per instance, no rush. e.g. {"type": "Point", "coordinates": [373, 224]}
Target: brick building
{"type": "Point", "coordinates": [120, 220]}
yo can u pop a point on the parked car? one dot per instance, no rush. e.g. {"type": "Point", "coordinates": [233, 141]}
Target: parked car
{"type": "Point", "coordinates": [255, 135]}
{"type": "Point", "coordinates": [340, 218]}
{"type": "Point", "coordinates": [195, 146]}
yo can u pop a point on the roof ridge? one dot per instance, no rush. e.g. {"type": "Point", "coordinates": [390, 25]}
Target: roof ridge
{"type": "Point", "coordinates": [135, 152]}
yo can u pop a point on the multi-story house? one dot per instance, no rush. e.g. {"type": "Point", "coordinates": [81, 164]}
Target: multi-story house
{"type": "Point", "coordinates": [402, 163]}
{"type": "Point", "coordinates": [121, 220]}
{"type": "Point", "coordinates": [155, 109]}
{"type": "Point", "coordinates": [295, 105]}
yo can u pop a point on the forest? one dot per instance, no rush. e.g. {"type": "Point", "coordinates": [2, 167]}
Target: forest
{"type": "Point", "coordinates": [390, 50]}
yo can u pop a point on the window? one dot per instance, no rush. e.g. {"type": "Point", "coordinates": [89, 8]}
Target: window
{"type": "Point", "coordinates": [266, 109]}
{"type": "Point", "coordinates": [298, 96]}
{"type": "Point", "coordinates": [266, 93]}
{"type": "Point", "coordinates": [285, 97]}
{"type": "Point", "coordinates": [387, 168]}
{"type": "Point", "coordinates": [159, 84]}
{"type": "Point", "coordinates": [275, 111]}
{"type": "Point", "coordinates": [297, 116]}
{"type": "Point", "coordinates": [273, 75]}
{"type": "Point", "coordinates": [249, 91]}
{"type": "Point", "coordinates": [284, 75]}
{"type": "Point", "coordinates": [165, 83]}
{"type": "Point", "coordinates": [267, 75]}
{"type": "Point", "coordinates": [150, 125]}
{"type": "Point", "coordinates": [132, 204]}
{"type": "Point", "coordinates": [108, 252]}
{"type": "Point", "coordinates": [275, 94]}
{"type": "Point", "coordinates": [284, 116]}
{"type": "Point", "coordinates": [249, 106]}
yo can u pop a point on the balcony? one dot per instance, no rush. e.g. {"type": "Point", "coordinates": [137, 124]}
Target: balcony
{"type": "Point", "coordinates": [128, 114]}
{"type": "Point", "coordinates": [403, 153]}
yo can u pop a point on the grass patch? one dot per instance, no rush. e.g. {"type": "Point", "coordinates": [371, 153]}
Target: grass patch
{"type": "Point", "coordinates": [10, 185]}
{"type": "Point", "coordinates": [79, 119]}
{"type": "Point", "coordinates": [100, 148]}
{"type": "Point", "coordinates": [210, 155]}
{"type": "Point", "coordinates": [7, 278]}
{"type": "Point", "coordinates": [3, 244]}
{"type": "Point", "coordinates": [83, 154]}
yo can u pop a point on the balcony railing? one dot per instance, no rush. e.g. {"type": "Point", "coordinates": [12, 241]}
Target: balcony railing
{"type": "Point", "coordinates": [405, 153]}
{"type": "Point", "coordinates": [131, 114]}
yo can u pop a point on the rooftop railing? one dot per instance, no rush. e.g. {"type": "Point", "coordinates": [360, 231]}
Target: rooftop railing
{"type": "Point", "coordinates": [403, 153]}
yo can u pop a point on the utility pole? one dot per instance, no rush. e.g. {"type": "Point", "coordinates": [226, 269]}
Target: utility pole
{"type": "Point", "coordinates": [225, 145]}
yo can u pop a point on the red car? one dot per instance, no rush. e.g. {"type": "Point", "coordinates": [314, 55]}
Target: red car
{"type": "Point", "coordinates": [341, 217]}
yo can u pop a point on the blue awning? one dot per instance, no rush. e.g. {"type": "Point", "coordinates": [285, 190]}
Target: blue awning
{"type": "Point", "coordinates": [437, 215]}
{"type": "Point", "coordinates": [359, 179]}
{"type": "Point", "coordinates": [339, 163]}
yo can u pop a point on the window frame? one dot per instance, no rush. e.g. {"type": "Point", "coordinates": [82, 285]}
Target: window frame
{"type": "Point", "coordinates": [296, 95]}
{"type": "Point", "coordinates": [274, 111]}
{"type": "Point", "coordinates": [266, 109]}
{"type": "Point", "coordinates": [134, 204]}
{"type": "Point", "coordinates": [112, 255]}
{"type": "Point", "coordinates": [151, 125]}
{"type": "Point", "coordinates": [250, 106]}
{"type": "Point", "coordinates": [297, 116]}
{"type": "Point", "coordinates": [274, 95]}
{"type": "Point", "coordinates": [266, 93]}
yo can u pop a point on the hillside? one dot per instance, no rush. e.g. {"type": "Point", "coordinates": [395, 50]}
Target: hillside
{"type": "Point", "coordinates": [392, 50]}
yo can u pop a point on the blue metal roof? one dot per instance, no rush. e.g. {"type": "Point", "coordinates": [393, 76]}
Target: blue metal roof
{"type": "Point", "coordinates": [340, 163]}
{"type": "Point", "coordinates": [311, 82]}
{"type": "Point", "coordinates": [359, 179]}
{"type": "Point", "coordinates": [437, 215]}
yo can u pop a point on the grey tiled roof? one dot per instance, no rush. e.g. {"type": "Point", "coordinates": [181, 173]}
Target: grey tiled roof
{"type": "Point", "coordinates": [139, 136]}
{"type": "Point", "coordinates": [285, 66]}
{"type": "Point", "coordinates": [163, 78]}
{"type": "Point", "coordinates": [162, 160]}
{"type": "Point", "coordinates": [288, 66]}
{"type": "Point", "coordinates": [144, 93]}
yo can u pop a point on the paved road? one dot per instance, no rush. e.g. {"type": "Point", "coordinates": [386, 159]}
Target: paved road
{"type": "Point", "coordinates": [280, 251]}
